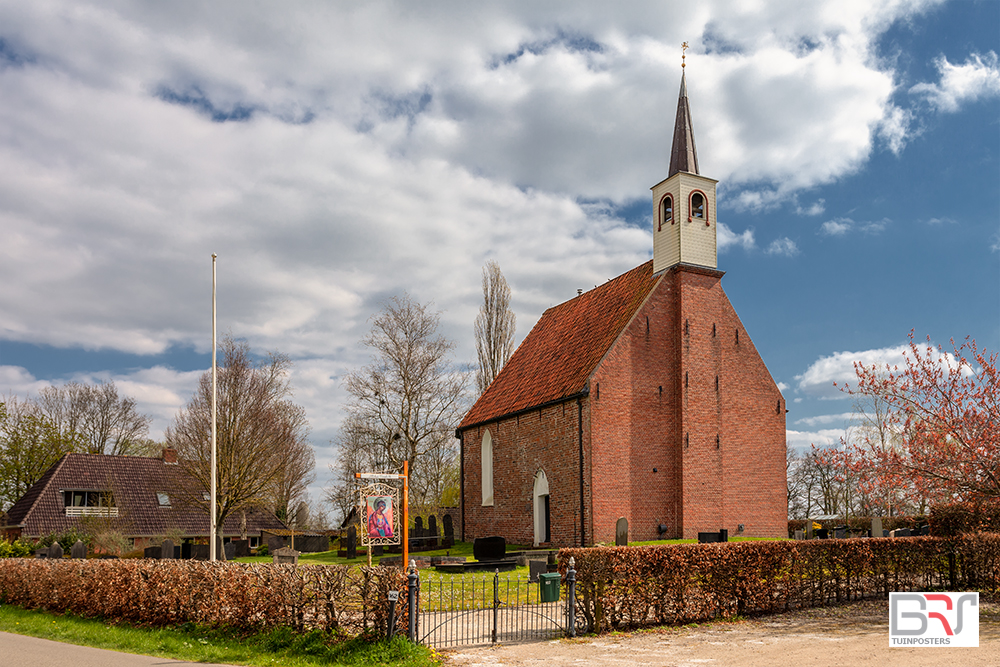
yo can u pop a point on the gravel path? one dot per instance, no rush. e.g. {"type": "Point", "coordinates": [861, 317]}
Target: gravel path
{"type": "Point", "coordinates": [854, 634]}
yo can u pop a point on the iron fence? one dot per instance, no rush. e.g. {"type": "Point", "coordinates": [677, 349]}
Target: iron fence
{"type": "Point", "coordinates": [469, 611]}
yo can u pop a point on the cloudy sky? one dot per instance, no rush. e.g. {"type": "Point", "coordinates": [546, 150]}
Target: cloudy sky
{"type": "Point", "coordinates": [336, 154]}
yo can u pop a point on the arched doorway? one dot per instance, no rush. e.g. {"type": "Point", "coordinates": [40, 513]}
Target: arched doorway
{"type": "Point", "coordinates": [540, 497]}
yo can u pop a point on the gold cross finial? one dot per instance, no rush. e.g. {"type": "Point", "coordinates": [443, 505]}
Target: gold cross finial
{"type": "Point", "coordinates": [684, 47]}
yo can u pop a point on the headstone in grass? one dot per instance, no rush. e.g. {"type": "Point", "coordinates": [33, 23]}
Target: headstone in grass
{"type": "Point", "coordinates": [449, 531]}
{"type": "Point", "coordinates": [79, 550]}
{"type": "Point", "coordinates": [352, 542]}
{"type": "Point", "coordinates": [285, 555]}
{"type": "Point", "coordinates": [800, 534]}
{"type": "Point", "coordinates": [378, 550]}
{"type": "Point", "coordinates": [536, 567]}
{"type": "Point", "coordinates": [876, 526]}
{"type": "Point", "coordinates": [418, 527]}
{"type": "Point", "coordinates": [56, 550]}
{"type": "Point", "coordinates": [229, 549]}
{"type": "Point", "coordinates": [621, 532]}
{"type": "Point", "coordinates": [489, 548]}
{"type": "Point", "coordinates": [432, 529]}
{"type": "Point", "coordinates": [167, 549]}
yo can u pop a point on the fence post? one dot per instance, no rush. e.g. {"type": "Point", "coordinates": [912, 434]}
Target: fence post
{"type": "Point", "coordinates": [496, 604]}
{"type": "Point", "coordinates": [411, 598]}
{"type": "Point", "coordinates": [571, 595]}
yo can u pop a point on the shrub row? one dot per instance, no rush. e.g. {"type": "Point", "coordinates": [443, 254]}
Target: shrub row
{"type": "Point", "coordinates": [957, 518]}
{"type": "Point", "coordinates": [160, 593]}
{"type": "Point", "coordinates": [620, 587]}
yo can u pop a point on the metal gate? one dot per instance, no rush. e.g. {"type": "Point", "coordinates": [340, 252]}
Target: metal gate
{"type": "Point", "coordinates": [468, 611]}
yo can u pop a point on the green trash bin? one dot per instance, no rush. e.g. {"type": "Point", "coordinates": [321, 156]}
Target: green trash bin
{"type": "Point", "coordinates": [548, 586]}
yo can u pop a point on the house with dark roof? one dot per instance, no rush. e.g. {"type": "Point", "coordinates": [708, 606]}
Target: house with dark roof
{"type": "Point", "coordinates": [141, 497]}
{"type": "Point", "coordinates": [642, 399]}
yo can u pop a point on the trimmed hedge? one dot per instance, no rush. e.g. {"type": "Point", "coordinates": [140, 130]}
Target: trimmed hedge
{"type": "Point", "coordinates": [623, 587]}
{"type": "Point", "coordinates": [160, 593]}
{"type": "Point", "coordinates": [958, 518]}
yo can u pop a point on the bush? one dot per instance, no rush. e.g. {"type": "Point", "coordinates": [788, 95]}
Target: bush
{"type": "Point", "coordinates": [958, 518]}
{"type": "Point", "coordinates": [17, 549]}
{"type": "Point", "coordinates": [634, 586]}
{"type": "Point", "coordinates": [66, 539]}
{"type": "Point", "coordinates": [262, 550]}
{"type": "Point", "coordinates": [162, 593]}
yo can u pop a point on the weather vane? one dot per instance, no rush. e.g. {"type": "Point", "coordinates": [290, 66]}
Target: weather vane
{"type": "Point", "coordinates": [684, 47]}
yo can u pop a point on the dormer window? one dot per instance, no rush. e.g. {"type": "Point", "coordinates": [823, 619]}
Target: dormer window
{"type": "Point", "coordinates": [89, 503]}
{"type": "Point", "coordinates": [698, 206]}
{"type": "Point", "coordinates": [667, 210]}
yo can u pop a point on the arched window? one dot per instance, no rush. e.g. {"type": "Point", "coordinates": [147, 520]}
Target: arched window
{"type": "Point", "coordinates": [667, 210]}
{"type": "Point", "coordinates": [698, 206]}
{"type": "Point", "coordinates": [487, 468]}
{"type": "Point", "coordinates": [540, 506]}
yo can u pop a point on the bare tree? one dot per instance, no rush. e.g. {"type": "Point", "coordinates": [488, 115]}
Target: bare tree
{"type": "Point", "coordinates": [101, 421]}
{"type": "Point", "coordinates": [258, 428]}
{"type": "Point", "coordinates": [405, 404]}
{"type": "Point", "coordinates": [495, 326]}
{"type": "Point", "coordinates": [290, 489]}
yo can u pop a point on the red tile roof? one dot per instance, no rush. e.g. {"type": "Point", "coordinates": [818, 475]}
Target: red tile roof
{"type": "Point", "coordinates": [560, 353]}
{"type": "Point", "coordinates": [135, 482]}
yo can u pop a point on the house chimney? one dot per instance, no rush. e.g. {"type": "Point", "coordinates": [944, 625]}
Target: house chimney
{"type": "Point", "coordinates": [169, 455]}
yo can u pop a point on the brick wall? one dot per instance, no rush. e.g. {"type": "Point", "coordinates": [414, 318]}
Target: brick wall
{"type": "Point", "coordinates": [683, 427]}
{"type": "Point", "coordinates": [542, 439]}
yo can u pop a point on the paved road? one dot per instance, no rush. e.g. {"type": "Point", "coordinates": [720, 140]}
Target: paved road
{"type": "Point", "coordinates": [32, 652]}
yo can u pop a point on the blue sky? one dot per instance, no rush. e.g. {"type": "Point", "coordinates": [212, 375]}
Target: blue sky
{"type": "Point", "coordinates": [335, 155]}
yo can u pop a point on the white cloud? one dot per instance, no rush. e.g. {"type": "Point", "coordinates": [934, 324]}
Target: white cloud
{"type": "Point", "coordinates": [823, 420]}
{"type": "Point", "coordinates": [818, 380]}
{"type": "Point", "coordinates": [727, 239]}
{"type": "Point", "coordinates": [803, 440]}
{"type": "Point", "coordinates": [783, 246]}
{"type": "Point", "coordinates": [841, 226]}
{"type": "Point", "coordinates": [977, 78]}
{"type": "Point", "coordinates": [818, 207]}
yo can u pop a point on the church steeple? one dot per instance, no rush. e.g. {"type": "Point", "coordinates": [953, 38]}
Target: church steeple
{"type": "Point", "coordinates": [683, 154]}
{"type": "Point", "coordinates": [684, 222]}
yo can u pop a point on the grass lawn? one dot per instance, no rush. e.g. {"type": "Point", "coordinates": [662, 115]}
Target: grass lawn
{"type": "Point", "coordinates": [278, 647]}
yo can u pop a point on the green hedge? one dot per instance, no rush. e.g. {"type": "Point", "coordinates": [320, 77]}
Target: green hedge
{"type": "Point", "coordinates": [162, 593]}
{"type": "Point", "coordinates": [620, 587]}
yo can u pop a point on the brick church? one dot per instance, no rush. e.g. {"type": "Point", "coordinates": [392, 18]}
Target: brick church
{"type": "Point", "coordinates": [643, 398]}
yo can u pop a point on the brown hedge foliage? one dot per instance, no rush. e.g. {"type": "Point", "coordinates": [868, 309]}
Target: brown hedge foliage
{"type": "Point", "coordinates": [161, 593]}
{"type": "Point", "coordinates": [958, 518]}
{"type": "Point", "coordinates": [620, 587]}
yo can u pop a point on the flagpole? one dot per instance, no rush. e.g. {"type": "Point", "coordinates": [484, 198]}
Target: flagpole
{"type": "Point", "coordinates": [212, 509]}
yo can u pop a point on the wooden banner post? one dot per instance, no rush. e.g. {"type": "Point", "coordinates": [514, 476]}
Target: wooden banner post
{"type": "Point", "coordinates": [406, 509]}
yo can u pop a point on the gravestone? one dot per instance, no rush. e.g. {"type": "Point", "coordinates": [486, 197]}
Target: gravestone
{"type": "Point", "coordinates": [418, 527]}
{"type": "Point", "coordinates": [229, 550]}
{"type": "Point", "coordinates": [378, 550]}
{"type": "Point", "coordinates": [489, 548]}
{"type": "Point", "coordinates": [167, 549]}
{"type": "Point", "coordinates": [840, 532]}
{"type": "Point", "coordinates": [79, 550]}
{"type": "Point", "coordinates": [42, 553]}
{"type": "Point", "coordinates": [151, 552]}
{"type": "Point", "coordinates": [536, 567]}
{"type": "Point", "coordinates": [56, 550]}
{"type": "Point", "coordinates": [800, 534]}
{"type": "Point", "coordinates": [551, 564]}
{"type": "Point", "coordinates": [621, 532]}
{"type": "Point", "coordinates": [876, 526]}
{"type": "Point", "coordinates": [352, 542]}
{"type": "Point", "coordinates": [809, 529]}
{"type": "Point", "coordinates": [285, 555]}
{"type": "Point", "coordinates": [449, 531]}
{"type": "Point", "coordinates": [924, 530]}
{"type": "Point", "coordinates": [432, 530]}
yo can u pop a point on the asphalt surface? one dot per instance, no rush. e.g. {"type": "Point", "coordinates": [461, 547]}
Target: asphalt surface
{"type": "Point", "coordinates": [32, 652]}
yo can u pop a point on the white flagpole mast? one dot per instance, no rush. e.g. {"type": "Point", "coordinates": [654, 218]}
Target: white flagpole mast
{"type": "Point", "coordinates": [212, 509]}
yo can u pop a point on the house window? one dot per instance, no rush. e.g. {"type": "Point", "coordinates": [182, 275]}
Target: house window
{"type": "Point", "coordinates": [667, 210]}
{"type": "Point", "coordinates": [78, 502]}
{"type": "Point", "coordinates": [698, 206]}
{"type": "Point", "coordinates": [487, 468]}
{"type": "Point", "coordinates": [163, 499]}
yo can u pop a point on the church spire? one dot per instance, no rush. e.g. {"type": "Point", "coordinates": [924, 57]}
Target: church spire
{"type": "Point", "coordinates": [683, 154]}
